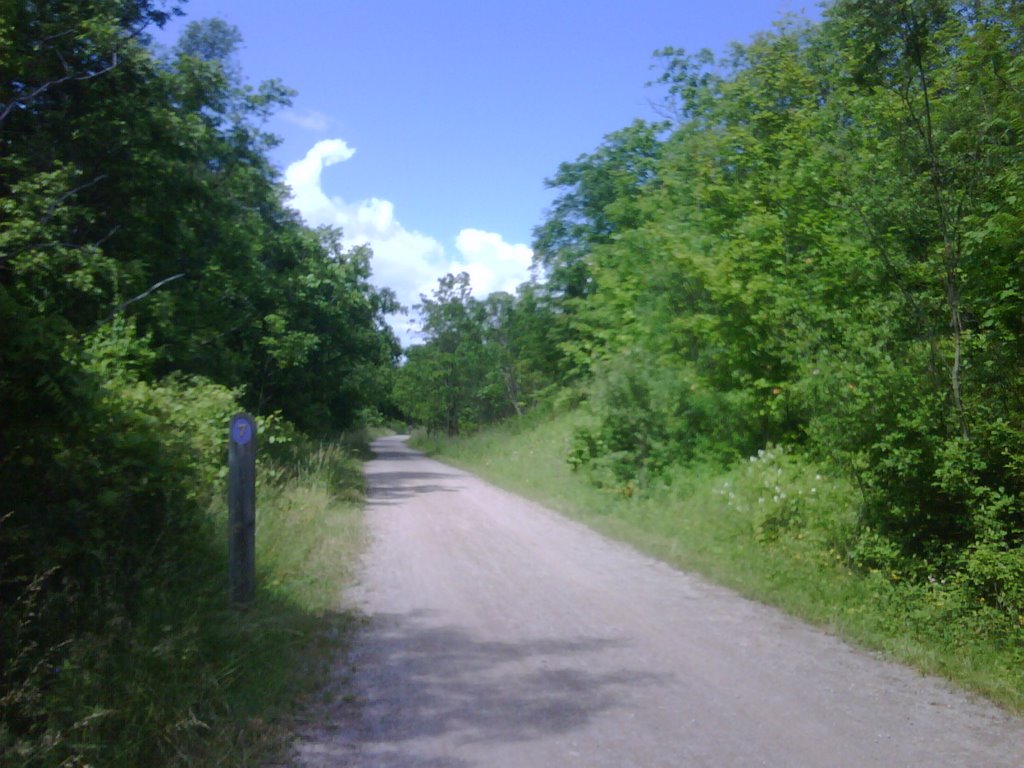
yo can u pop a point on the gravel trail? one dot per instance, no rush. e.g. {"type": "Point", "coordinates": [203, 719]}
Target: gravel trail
{"type": "Point", "coordinates": [501, 634]}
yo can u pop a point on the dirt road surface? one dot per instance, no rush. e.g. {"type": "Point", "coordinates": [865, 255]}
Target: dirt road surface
{"type": "Point", "coordinates": [500, 634]}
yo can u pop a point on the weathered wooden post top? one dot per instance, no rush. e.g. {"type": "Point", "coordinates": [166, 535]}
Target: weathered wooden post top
{"type": "Point", "coordinates": [242, 509]}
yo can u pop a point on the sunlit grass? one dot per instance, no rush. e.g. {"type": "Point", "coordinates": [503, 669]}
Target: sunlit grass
{"type": "Point", "coordinates": [309, 530]}
{"type": "Point", "coordinates": [308, 539]}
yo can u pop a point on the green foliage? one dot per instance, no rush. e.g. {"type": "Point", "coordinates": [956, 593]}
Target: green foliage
{"type": "Point", "coordinates": [647, 417]}
{"type": "Point", "coordinates": [600, 192]}
{"type": "Point", "coordinates": [152, 283]}
{"type": "Point", "coordinates": [820, 250]}
{"type": "Point", "coordinates": [326, 350]}
{"type": "Point", "coordinates": [477, 362]}
{"type": "Point", "coordinates": [309, 530]}
{"type": "Point", "coordinates": [117, 643]}
{"type": "Point", "coordinates": [106, 534]}
{"type": "Point", "coordinates": [176, 217]}
{"type": "Point", "coordinates": [791, 499]}
{"type": "Point", "coordinates": [180, 678]}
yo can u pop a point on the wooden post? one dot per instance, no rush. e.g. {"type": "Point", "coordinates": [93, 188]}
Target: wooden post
{"type": "Point", "coordinates": [242, 509]}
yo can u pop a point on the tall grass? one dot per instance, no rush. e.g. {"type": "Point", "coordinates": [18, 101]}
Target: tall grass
{"type": "Point", "coordinates": [775, 528]}
{"type": "Point", "coordinates": [309, 533]}
{"type": "Point", "coordinates": [190, 680]}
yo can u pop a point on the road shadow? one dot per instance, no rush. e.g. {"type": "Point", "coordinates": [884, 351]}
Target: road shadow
{"type": "Point", "coordinates": [393, 448]}
{"type": "Point", "coordinates": [385, 488]}
{"type": "Point", "coordinates": [383, 451]}
{"type": "Point", "coordinates": [389, 486]}
{"type": "Point", "coordinates": [415, 684]}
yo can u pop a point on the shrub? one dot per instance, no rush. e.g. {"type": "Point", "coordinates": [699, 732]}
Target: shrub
{"type": "Point", "coordinates": [106, 546]}
{"type": "Point", "coordinates": [783, 493]}
{"type": "Point", "coordinates": [646, 416]}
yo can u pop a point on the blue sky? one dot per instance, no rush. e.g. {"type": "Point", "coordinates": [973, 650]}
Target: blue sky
{"type": "Point", "coordinates": [427, 128]}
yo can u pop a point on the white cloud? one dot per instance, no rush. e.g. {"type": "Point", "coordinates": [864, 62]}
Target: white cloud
{"type": "Point", "coordinates": [407, 261]}
{"type": "Point", "coordinates": [311, 121]}
{"type": "Point", "coordinates": [492, 264]}
{"type": "Point", "coordinates": [303, 177]}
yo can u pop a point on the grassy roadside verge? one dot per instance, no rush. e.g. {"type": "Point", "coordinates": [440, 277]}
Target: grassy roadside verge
{"type": "Point", "coordinates": [775, 529]}
{"type": "Point", "coordinates": [309, 535]}
{"type": "Point", "coordinates": [266, 659]}
{"type": "Point", "coordinates": [308, 539]}
{"type": "Point", "coordinates": [187, 680]}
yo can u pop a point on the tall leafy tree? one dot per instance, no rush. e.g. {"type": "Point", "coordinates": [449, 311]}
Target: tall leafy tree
{"type": "Point", "coordinates": [437, 385]}
{"type": "Point", "coordinates": [929, 148]}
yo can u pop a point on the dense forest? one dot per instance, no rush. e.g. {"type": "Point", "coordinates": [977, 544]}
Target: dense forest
{"type": "Point", "coordinates": [820, 246]}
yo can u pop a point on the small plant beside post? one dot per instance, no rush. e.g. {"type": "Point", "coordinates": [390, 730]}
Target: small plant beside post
{"type": "Point", "coordinates": [242, 509]}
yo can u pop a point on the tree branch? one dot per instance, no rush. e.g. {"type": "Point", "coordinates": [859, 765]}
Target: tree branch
{"type": "Point", "coordinates": [24, 100]}
{"type": "Point", "coordinates": [52, 209]}
{"type": "Point", "coordinates": [124, 305]}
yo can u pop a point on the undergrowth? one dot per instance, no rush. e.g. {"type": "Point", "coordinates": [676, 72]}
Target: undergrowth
{"type": "Point", "coordinates": [175, 676]}
{"type": "Point", "coordinates": [778, 528]}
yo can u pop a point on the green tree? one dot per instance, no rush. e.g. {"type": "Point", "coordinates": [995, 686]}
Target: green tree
{"type": "Point", "coordinates": [927, 98]}
{"type": "Point", "coordinates": [476, 364]}
{"type": "Point", "coordinates": [437, 383]}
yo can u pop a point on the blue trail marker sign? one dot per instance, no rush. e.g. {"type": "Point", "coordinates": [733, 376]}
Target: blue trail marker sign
{"type": "Point", "coordinates": [242, 509]}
